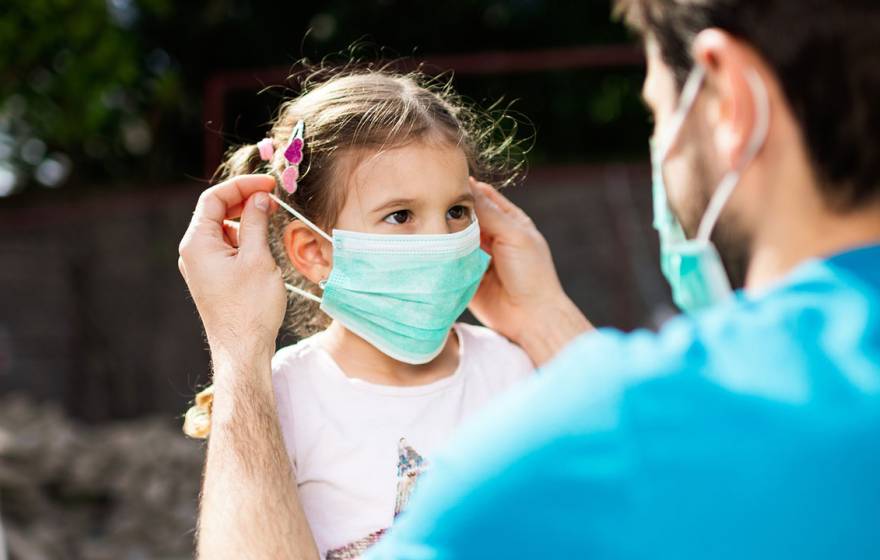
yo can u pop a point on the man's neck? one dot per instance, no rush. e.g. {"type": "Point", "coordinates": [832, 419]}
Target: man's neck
{"type": "Point", "coordinates": [360, 359]}
{"type": "Point", "coordinates": [811, 235]}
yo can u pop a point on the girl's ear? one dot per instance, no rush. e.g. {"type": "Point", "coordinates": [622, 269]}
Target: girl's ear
{"type": "Point", "coordinates": [310, 254]}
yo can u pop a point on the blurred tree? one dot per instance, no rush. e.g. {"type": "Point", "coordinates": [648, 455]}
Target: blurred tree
{"type": "Point", "coordinates": [80, 95]}
{"type": "Point", "coordinates": [108, 92]}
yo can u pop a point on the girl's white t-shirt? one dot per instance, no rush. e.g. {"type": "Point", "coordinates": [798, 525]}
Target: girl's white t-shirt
{"type": "Point", "coordinates": [357, 447]}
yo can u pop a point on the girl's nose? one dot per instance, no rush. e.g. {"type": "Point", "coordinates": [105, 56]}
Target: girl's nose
{"type": "Point", "coordinates": [437, 225]}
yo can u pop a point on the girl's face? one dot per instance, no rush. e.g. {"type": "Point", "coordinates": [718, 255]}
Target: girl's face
{"type": "Point", "coordinates": [422, 187]}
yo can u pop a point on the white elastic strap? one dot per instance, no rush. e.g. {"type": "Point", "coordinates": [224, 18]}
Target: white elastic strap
{"type": "Point", "coordinates": [688, 96]}
{"type": "Point", "coordinates": [313, 227]}
{"type": "Point", "coordinates": [290, 287]}
{"type": "Point", "coordinates": [301, 292]}
{"type": "Point", "coordinates": [301, 218]}
{"type": "Point", "coordinates": [756, 141]}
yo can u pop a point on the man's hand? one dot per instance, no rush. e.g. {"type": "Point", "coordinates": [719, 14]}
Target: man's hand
{"type": "Point", "coordinates": [233, 279]}
{"type": "Point", "coordinates": [521, 296]}
{"type": "Point", "coordinates": [249, 504]}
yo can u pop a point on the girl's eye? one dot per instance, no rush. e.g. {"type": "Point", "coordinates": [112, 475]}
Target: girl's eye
{"type": "Point", "coordinates": [397, 218]}
{"type": "Point", "coordinates": [458, 212]}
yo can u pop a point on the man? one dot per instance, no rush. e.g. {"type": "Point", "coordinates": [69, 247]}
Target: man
{"type": "Point", "coordinates": [748, 429]}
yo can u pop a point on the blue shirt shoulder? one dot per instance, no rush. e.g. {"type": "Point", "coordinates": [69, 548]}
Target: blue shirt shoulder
{"type": "Point", "coordinates": [750, 431]}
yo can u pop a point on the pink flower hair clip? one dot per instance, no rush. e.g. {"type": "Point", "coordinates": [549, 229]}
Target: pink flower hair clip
{"type": "Point", "coordinates": [267, 149]}
{"type": "Point", "coordinates": [293, 156]}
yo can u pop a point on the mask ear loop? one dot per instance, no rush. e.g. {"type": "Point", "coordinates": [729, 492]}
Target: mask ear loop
{"type": "Point", "coordinates": [688, 95]}
{"type": "Point", "coordinates": [303, 293]}
{"type": "Point", "coordinates": [316, 229]}
{"type": "Point", "coordinates": [756, 142]}
{"type": "Point", "coordinates": [301, 218]}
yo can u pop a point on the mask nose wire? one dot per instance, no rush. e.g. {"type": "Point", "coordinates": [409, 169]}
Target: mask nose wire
{"type": "Point", "coordinates": [756, 142]}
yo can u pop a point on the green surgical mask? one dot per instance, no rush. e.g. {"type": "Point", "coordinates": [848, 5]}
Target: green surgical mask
{"type": "Point", "coordinates": [400, 293]}
{"type": "Point", "coordinates": [693, 267]}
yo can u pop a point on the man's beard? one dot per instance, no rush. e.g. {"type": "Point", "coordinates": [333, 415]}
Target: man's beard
{"type": "Point", "coordinates": [731, 240]}
{"type": "Point", "coordinates": [734, 248]}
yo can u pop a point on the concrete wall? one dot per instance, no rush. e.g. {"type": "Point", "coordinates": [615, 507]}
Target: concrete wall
{"type": "Point", "coordinates": [94, 314]}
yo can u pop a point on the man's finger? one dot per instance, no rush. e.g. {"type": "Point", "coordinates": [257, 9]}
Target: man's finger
{"type": "Point", "coordinates": [216, 202]}
{"type": "Point", "coordinates": [494, 221]}
{"type": "Point", "coordinates": [234, 212]}
{"type": "Point", "coordinates": [181, 268]}
{"type": "Point", "coordinates": [213, 206]}
{"type": "Point", "coordinates": [498, 199]}
{"type": "Point", "coordinates": [253, 228]}
{"type": "Point", "coordinates": [230, 228]}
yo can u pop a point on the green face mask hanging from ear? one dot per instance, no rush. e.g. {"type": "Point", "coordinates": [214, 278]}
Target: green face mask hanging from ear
{"type": "Point", "coordinates": [693, 267]}
{"type": "Point", "coordinates": [400, 293]}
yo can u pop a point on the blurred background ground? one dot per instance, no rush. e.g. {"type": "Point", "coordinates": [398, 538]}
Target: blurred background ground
{"type": "Point", "coordinates": [113, 114]}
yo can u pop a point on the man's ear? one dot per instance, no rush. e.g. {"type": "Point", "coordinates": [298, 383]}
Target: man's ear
{"type": "Point", "coordinates": [310, 254]}
{"type": "Point", "coordinates": [730, 106]}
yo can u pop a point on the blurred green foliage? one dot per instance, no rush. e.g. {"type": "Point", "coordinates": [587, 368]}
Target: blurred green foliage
{"type": "Point", "coordinates": [80, 87]}
{"type": "Point", "coordinates": [98, 93]}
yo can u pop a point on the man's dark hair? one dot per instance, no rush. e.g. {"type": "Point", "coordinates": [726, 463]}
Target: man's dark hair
{"type": "Point", "coordinates": [826, 54]}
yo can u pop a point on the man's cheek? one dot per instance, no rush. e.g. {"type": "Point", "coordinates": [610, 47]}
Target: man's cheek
{"type": "Point", "coordinates": [676, 177]}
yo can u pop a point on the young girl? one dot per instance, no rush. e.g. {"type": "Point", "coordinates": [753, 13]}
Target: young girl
{"type": "Point", "coordinates": [380, 248]}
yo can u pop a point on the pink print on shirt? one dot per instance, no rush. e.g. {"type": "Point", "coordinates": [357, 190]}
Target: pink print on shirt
{"type": "Point", "coordinates": [410, 465]}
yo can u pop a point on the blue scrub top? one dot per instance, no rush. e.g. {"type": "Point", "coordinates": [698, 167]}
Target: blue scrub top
{"type": "Point", "coordinates": [749, 431]}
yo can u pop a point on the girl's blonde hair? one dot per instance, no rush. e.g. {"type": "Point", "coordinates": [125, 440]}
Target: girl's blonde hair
{"type": "Point", "coordinates": [372, 109]}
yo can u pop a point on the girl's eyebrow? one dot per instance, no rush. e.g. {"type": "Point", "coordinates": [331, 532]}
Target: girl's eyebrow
{"type": "Point", "coordinates": [395, 202]}
{"type": "Point", "coordinates": [409, 202]}
{"type": "Point", "coordinates": [466, 197]}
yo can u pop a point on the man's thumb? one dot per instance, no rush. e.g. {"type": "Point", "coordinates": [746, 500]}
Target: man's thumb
{"type": "Point", "coordinates": [253, 231]}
